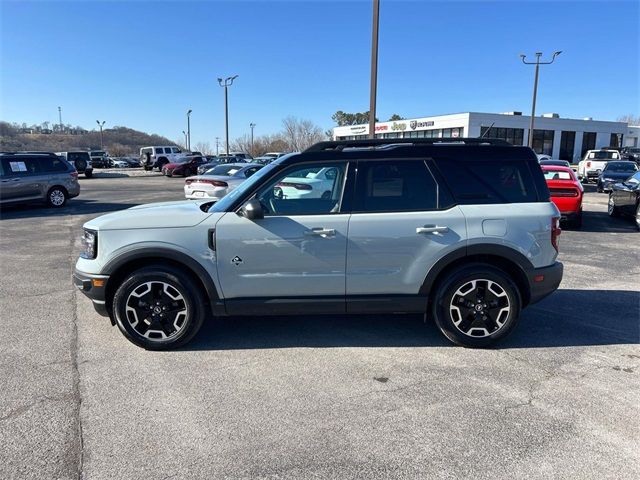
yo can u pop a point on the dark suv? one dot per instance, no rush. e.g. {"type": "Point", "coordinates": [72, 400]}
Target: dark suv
{"type": "Point", "coordinates": [37, 177]}
{"type": "Point", "coordinates": [461, 230]}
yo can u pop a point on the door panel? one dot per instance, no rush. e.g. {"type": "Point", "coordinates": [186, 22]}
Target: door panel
{"type": "Point", "coordinates": [282, 256]}
{"type": "Point", "coordinates": [386, 254]}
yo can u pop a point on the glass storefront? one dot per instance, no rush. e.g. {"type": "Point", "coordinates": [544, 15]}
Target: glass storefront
{"type": "Point", "coordinates": [567, 143]}
{"type": "Point", "coordinates": [543, 142]}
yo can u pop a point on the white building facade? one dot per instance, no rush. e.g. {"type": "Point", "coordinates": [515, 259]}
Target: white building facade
{"type": "Point", "coordinates": [563, 138]}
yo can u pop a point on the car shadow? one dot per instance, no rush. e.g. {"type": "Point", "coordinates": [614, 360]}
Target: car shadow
{"type": "Point", "coordinates": [601, 222]}
{"type": "Point", "coordinates": [566, 318]}
{"type": "Point", "coordinates": [75, 206]}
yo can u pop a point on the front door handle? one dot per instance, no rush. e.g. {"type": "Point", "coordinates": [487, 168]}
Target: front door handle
{"type": "Point", "coordinates": [432, 229]}
{"type": "Point", "coordinates": [321, 232]}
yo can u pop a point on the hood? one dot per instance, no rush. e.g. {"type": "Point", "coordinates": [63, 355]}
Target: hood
{"type": "Point", "coordinates": [153, 215]}
{"type": "Point", "coordinates": [617, 175]}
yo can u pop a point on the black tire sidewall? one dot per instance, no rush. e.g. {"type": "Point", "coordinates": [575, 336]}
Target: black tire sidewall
{"type": "Point", "coordinates": [193, 299]}
{"type": "Point", "coordinates": [446, 290]}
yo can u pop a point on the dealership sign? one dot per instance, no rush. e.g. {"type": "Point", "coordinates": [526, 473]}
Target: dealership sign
{"type": "Point", "coordinates": [416, 124]}
{"type": "Point", "coordinates": [359, 129]}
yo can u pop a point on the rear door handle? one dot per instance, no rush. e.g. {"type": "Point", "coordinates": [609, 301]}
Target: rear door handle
{"type": "Point", "coordinates": [321, 232]}
{"type": "Point", "coordinates": [432, 229]}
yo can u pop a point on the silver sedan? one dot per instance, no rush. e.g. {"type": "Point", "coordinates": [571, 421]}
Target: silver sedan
{"type": "Point", "coordinates": [218, 181]}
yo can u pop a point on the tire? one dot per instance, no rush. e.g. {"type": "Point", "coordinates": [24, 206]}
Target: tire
{"type": "Point", "coordinates": [147, 168]}
{"type": "Point", "coordinates": [466, 326]}
{"type": "Point", "coordinates": [599, 190]}
{"type": "Point", "coordinates": [173, 302]}
{"type": "Point", "coordinates": [637, 217]}
{"type": "Point", "coordinates": [88, 174]}
{"type": "Point", "coordinates": [612, 210]}
{"type": "Point", "coordinates": [57, 197]}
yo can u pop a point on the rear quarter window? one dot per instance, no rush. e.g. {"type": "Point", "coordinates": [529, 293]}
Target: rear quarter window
{"type": "Point", "coordinates": [483, 182]}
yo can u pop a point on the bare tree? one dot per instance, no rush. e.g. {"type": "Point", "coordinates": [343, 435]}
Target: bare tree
{"type": "Point", "coordinates": [301, 134]}
{"type": "Point", "coordinates": [630, 119]}
{"type": "Point", "coordinates": [204, 148]}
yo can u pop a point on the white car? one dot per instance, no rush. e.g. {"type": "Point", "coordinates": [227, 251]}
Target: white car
{"type": "Point", "coordinates": [218, 181]}
{"type": "Point", "coordinates": [119, 163]}
{"type": "Point", "coordinates": [311, 183]}
{"type": "Point", "coordinates": [594, 161]}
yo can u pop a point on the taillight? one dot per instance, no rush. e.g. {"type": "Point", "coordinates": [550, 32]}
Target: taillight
{"type": "Point", "coordinates": [564, 192]}
{"type": "Point", "coordinates": [297, 186]}
{"type": "Point", "coordinates": [215, 183]}
{"type": "Point", "coordinates": [74, 174]}
{"type": "Point", "coordinates": [555, 232]}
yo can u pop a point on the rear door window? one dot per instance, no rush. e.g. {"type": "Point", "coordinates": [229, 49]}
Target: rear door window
{"type": "Point", "coordinates": [478, 182]}
{"type": "Point", "coordinates": [395, 186]}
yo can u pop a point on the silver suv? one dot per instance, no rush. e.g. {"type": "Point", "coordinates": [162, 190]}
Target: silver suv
{"type": "Point", "coordinates": [37, 177]}
{"type": "Point", "coordinates": [460, 230]}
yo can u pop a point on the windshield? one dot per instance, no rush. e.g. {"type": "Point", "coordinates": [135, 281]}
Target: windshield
{"type": "Point", "coordinates": [604, 155]}
{"type": "Point", "coordinates": [223, 170]}
{"type": "Point", "coordinates": [224, 204]}
{"type": "Point", "coordinates": [556, 175]}
{"type": "Point", "coordinates": [622, 167]}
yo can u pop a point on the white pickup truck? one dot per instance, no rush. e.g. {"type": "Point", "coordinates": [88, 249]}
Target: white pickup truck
{"type": "Point", "coordinates": [593, 162]}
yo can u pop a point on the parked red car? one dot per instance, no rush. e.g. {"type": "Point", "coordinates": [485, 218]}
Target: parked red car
{"type": "Point", "coordinates": [186, 166]}
{"type": "Point", "coordinates": [566, 192]}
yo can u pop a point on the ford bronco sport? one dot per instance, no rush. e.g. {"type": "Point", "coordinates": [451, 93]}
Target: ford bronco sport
{"type": "Point", "coordinates": [460, 230]}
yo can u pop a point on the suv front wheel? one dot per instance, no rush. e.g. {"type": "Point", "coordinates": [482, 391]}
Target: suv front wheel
{"type": "Point", "coordinates": [476, 306]}
{"type": "Point", "coordinates": [158, 308]}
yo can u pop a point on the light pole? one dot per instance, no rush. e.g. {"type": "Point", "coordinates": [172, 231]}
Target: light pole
{"type": "Point", "coordinates": [185, 139]}
{"type": "Point", "coordinates": [101, 125]}
{"type": "Point", "coordinates": [60, 117]}
{"type": "Point", "coordinates": [374, 69]}
{"type": "Point", "coordinates": [217, 145]}
{"type": "Point", "coordinates": [537, 63]}
{"type": "Point", "coordinates": [226, 83]}
{"type": "Point", "coordinates": [189, 129]}
{"type": "Point", "coordinates": [252, 126]}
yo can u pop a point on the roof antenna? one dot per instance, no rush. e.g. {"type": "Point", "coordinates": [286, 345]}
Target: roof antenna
{"type": "Point", "coordinates": [487, 130]}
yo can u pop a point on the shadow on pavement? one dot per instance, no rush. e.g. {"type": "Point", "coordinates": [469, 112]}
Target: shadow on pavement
{"type": "Point", "coordinates": [566, 318]}
{"type": "Point", "coordinates": [601, 222]}
{"type": "Point", "coordinates": [75, 206]}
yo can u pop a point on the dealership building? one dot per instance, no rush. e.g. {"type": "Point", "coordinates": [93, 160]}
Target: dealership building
{"type": "Point", "coordinates": [564, 138]}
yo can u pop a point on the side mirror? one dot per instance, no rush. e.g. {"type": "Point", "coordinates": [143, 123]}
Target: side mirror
{"type": "Point", "coordinates": [252, 210]}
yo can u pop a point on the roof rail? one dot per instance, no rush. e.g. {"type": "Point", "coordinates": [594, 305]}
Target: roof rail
{"type": "Point", "coordinates": [397, 142]}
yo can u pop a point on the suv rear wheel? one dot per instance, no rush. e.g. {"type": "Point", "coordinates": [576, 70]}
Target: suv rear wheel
{"type": "Point", "coordinates": [476, 306]}
{"type": "Point", "coordinates": [158, 308]}
{"type": "Point", "coordinates": [57, 197]}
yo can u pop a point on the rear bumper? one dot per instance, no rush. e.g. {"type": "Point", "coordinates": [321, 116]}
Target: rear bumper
{"type": "Point", "coordinates": [544, 281]}
{"type": "Point", "coordinates": [97, 294]}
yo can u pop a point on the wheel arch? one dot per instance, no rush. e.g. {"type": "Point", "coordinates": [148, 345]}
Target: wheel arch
{"type": "Point", "coordinates": [512, 262]}
{"type": "Point", "coordinates": [121, 266]}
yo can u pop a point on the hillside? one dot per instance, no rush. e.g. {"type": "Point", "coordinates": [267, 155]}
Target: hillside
{"type": "Point", "coordinates": [117, 140]}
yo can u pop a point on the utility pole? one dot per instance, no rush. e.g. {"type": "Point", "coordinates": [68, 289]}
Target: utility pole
{"type": "Point", "coordinates": [60, 117]}
{"type": "Point", "coordinates": [189, 130]}
{"type": "Point", "coordinates": [374, 69]}
{"type": "Point", "coordinates": [537, 63]}
{"type": "Point", "coordinates": [226, 83]}
{"type": "Point", "coordinates": [252, 126]}
{"type": "Point", "coordinates": [101, 140]}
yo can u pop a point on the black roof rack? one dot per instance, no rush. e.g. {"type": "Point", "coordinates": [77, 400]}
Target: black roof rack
{"type": "Point", "coordinates": [393, 142]}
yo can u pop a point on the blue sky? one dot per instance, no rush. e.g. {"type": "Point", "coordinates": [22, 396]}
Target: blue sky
{"type": "Point", "coordinates": [143, 64]}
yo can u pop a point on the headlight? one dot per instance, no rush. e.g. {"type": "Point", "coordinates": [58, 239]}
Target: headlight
{"type": "Point", "coordinates": [89, 242]}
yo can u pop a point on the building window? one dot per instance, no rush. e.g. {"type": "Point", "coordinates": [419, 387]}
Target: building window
{"type": "Point", "coordinates": [543, 141]}
{"type": "Point", "coordinates": [393, 135]}
{"type": "Point", "coordinates": [588, 142]}
{"type": "Point", "coordinates": [452, 132]}
{"type": "Point", "coordinates": [567, 143]}
{"type": "Point", "coordinates": [512, 135]}
{"type": "Point", "coordinates": [432, 133]}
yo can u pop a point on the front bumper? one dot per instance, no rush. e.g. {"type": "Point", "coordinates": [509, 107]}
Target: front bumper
{"type": "Point", "coordinates": [94, 287]}
{"type": "Point", "coordinates": [544, 281]}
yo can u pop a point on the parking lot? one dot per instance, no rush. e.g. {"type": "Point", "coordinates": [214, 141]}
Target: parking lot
{"type": "Point", "coordinates": [319, 396]}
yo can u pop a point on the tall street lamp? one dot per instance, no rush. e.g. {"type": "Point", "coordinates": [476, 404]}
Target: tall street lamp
{"type": "Point", "coordinates": [217, 145]}
{"type": "Point", "coordinates": [185, 139]}
{"type": "Point", "coordinates": [226, 83]}
{"type": "Point", "coordinates": [374, 69]}
{"type": "Point", "coordinates": [537, 63]}
{"type": "Point", "coordinates": [252, 126]}
{"type": "Point", "coordinates": [101, 124]}
{"type": "Point", "coordinates": [60, 117]}
{"type": "Point", "coordinates": [189, 129]}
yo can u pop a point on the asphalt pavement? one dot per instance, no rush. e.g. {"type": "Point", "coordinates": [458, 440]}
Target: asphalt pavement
{"type": "Point", "coordinates": [330, 397]}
